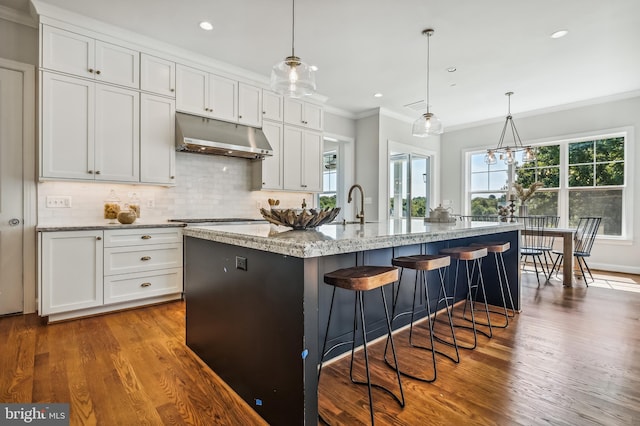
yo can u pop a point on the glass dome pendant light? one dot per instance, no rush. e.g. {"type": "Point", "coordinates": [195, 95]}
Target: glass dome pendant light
{"type": "Point", "coordinates": [507, 153]}
{"type": "Point", "coordinates": [427, 124]}
{"type": "Point", "coordinates": [292, 77]}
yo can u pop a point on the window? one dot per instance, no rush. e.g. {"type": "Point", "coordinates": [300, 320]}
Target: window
{"type": "Point", "coordinates": [584, 177]}
{"type": "Point", "coordinates": [329, 179]}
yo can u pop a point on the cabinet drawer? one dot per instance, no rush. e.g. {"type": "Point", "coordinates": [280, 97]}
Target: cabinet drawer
{"type": "Point", "coordinates": [121, 288]}
{"type": "Point", "coordinates": [140, 237]}
{"type": "Point", "coordinates": [124, 260]}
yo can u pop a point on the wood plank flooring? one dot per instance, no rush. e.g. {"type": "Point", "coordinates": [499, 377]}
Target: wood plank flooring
{"type": "Point", "coordinates": [572, 357]}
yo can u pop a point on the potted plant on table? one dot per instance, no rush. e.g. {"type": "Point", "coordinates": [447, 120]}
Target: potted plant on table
{"type": "Point", "coordinates": [524, 194]}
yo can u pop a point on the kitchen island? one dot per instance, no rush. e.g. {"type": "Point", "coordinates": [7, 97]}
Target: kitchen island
{"type": "Point", "coordinates": [257, 306]}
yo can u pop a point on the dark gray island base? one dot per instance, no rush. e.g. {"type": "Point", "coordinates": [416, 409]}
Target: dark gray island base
{"type": "Point", "coordinates": [257, 307]}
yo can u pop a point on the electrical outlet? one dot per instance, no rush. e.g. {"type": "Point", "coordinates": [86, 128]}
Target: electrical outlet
{"type": "Point", "coordinates": [58, 201]}
{"type": "Point", "coordinates": [241, 263]}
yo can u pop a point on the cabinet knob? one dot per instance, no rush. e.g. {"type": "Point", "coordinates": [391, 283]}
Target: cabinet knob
{"type": "Point", "coordinates": [146, 237]}
{"type": "Point", "coordinates": [145, 258]}
{"type": "Point", "coordinates": [304, 186]}
{"type": "Point", "coordinates": [239, 116]}
{"type": "Point", "coordinates": [91, 70]}
{"type": "Point", "coordinates": [264, 112]}
{"type": "Point", "coordinates": [172, 89]}
{"type": "Point", "coordinates": [172, 177]}
{"type": "Point", "coordinates": [98, 72]}
{"type": "Point", "coordinates": [97, 172]}
{"type": "Point", "coordinates": [98, 238]}
{"type": "Point", "coordinates": [145, 285]}
{"type": "Point", "coordinates": [90, 172]}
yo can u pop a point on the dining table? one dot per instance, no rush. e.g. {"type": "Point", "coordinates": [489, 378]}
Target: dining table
{"type": "Point", "coordinates": [567, 235]}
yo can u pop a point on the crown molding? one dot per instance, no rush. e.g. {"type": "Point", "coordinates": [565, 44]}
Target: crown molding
{"type": "Point", "coordinates": [400, 117]}
{"type": "Point", "coordinates": [17, 16]}
{"type": "Point", "coordinates": [340, 112]}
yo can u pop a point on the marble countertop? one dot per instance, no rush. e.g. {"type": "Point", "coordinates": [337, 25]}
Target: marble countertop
{"type": "Point", "coordinates": [333, 239]}
{"type": "Point", "coordinates": [104, 225]}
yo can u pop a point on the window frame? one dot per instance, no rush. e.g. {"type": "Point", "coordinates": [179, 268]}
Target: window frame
{"type": "Point", "coordinates": [563, 191]}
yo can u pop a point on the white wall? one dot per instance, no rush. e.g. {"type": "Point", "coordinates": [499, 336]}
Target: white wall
{"type": "Point", "coordinates": [607, 255]}
{"type": "Point", "coordinates": [338, 125]}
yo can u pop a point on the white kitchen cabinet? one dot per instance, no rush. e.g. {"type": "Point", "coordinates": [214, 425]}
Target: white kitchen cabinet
{"type": "Point", "coordinates": [272, 106]}
{"type": "Point", "coordinates": [71, 271]}
{"type": "Point", "coordinates": [88, 272]}
{"type": "Point", "coordinates": [301, 113]}
{"type": "Point", "coordinates": [302, 160]}
{"type": "Point", "coordinates": [201, 93]}
{"type": "Point", "coordinates": [76, 54]}
{"type": "Point", "coordinates": [157, 75]}
{"type": "Point", "coordinates": [89, 130]}
{"type": "Point", "coordinates": [157, 140]}
{"type": "Point", "coordinates": [267, 174]}
{"type": "Point", "coordinates": [249, 105]}
{"type": "Point", "coordinates": [210, 95]}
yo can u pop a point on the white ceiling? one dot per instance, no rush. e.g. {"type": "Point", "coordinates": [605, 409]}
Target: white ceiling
{"type": "Point", "coordinates": [366, 46]}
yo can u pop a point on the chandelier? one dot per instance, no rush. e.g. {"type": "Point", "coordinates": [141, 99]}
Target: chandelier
{"type": "Point", "coordinates": [508, 152]}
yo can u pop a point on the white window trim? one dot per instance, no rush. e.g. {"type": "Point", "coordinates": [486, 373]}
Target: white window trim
{"type": "Point", "coordinates": [564, 140]}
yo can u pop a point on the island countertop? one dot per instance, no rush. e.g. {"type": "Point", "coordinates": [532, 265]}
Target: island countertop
{"type": "Point", "coordinates": [334, 239]}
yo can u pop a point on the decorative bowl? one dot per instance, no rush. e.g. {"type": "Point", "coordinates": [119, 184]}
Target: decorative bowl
{"type": "Point", "coordinates": [300, 219]}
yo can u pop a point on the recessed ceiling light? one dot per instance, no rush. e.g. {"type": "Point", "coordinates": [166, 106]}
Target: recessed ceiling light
{"type": "Point", "coordinates": [452, 69]}
{"type": "Point", "coordinates": [205, 25]}
{"type": "Point", "coordinates": [377, 95]}
{"type": "Point", "coordinates": [559, 33]}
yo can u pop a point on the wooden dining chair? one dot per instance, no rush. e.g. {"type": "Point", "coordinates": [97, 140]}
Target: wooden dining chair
{"type": "Point", "coordinates": [583, 242]}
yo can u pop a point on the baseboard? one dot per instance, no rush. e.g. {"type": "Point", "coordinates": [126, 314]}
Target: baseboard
{"type": "Point", "coordinates": [614, 268]}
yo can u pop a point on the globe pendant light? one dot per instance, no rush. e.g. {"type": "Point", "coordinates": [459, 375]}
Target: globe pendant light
{"type": "Point", "coordinates": [292, 77]}
{"type": "Point", "coordinates": [427, 124]}
{"type": "Point", "coordinates": [508, 153]}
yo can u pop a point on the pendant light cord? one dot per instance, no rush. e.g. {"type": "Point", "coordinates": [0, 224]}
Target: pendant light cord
{"type": "Point", "coordinates": [293, 27]}
{"type": "Point", "coordinates": [428, 54]}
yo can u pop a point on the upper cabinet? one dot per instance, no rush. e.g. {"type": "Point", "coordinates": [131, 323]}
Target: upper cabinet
{"type": "Point", "coordinates": [76, 54]}
{"type": "Point", "coordinates": [210, 95]}
{"type": "Point", "coordinates": [90, 131]}
{"type": "Point", "coordinates": [301, 113]}
{"type": "Point", "coordinates": [157, 75]}
{"type": "Point", "coordinates": [157, 139]}
{"type": "Point", "coordinates": [272, 106]}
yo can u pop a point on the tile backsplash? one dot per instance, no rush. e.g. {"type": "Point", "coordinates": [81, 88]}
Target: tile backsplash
{"type": "Point", "coordinates": [206, 187]}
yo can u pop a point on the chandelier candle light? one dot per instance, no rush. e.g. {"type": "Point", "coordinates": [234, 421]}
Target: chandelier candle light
{"type": "Point", "coordinates": [427, 124]}
{"type": "Point", "coordinates": [508, 152]}
{"type": "Point", "coordinates": [292, 77]}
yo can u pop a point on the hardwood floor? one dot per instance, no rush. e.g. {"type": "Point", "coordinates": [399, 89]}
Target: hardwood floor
{"type": "Point", "coordinates": [571, 357]}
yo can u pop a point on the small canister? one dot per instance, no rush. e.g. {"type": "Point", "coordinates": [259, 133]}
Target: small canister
{"type": "Point", "coordinates": [111, 207]}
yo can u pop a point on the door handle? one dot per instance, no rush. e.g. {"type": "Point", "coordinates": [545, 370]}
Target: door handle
{"type": "Point", "coordinates": [14, 222]}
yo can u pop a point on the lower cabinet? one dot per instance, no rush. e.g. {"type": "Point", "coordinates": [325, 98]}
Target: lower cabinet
{"type": "Point", "coordinates": [88, 272]}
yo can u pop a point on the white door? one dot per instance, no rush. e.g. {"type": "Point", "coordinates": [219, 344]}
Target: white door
{"type": "Point", "coordinates": [118, 65]}
{"type": "Point", "coordinates": [249, 105]}
{"type": "Point", "coordinates": [223, 95]}
{"type": "Point", "coordinates": [11, 201]}
{"type": "Point", "coordinates": [313, 116]}
{"type": "Point", "coordinates": [192, 90]}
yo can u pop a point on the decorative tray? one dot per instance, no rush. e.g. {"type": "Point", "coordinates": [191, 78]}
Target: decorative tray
{"type": "Point", "coordinates": [300, 219]}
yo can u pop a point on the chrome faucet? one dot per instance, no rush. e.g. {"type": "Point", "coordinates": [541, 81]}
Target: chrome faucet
{"type": "Point", "coordinates": [361, 214]}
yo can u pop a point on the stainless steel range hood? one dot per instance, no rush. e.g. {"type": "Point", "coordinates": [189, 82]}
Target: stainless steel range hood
{"type": "Point", "coordinates": [207, 136]}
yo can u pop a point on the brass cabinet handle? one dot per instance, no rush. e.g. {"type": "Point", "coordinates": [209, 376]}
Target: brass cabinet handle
{"type": "Point", "coordinates": [146, 237]}
{"type": "Point", "coordinates": [98, 72]}
{"type": "Point", "coordinates": [145, 285]}
{"type": "Point", "coordinates": [90, 172]}
{"type": "Point", "coordinates": [172, 177]}
{"type": "Point", "coordinates": [91, 70]}
{"type": "Point", "coordinates": [145, 258]}
{"type": "Point", "coordinates": [97, 172]}
{"type": "Point", "coordinates": [172, 89]}
{"type": "Point", "coordinates": [98, 238]}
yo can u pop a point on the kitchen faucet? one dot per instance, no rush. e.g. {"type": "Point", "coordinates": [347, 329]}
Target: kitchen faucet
{"type": "Point", "coordinates": [361, 214]}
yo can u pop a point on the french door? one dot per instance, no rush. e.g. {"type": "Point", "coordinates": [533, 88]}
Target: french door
{"type": "Point", "coordinates": [409, 185]}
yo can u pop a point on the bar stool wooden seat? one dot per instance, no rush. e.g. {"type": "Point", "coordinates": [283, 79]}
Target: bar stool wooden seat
{"type": "Point", "coordinates": [422, 264]}
{"type": "Point", "coordinates": [498, 248]}
{"type": "Point", "coordinates": [361, 279]}
{"type": "Point", "coordinates": [468, 255]}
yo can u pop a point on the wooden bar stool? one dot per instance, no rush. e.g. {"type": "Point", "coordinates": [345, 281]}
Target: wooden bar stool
{"type": "Point", "coordinates": [498, 248]}
{"type": "Point", "coordinates": [422, 264]}
{"type": "Point", "coordinates": [468, 255]}
{"type": "Point", "coordinates": [361, 279]}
